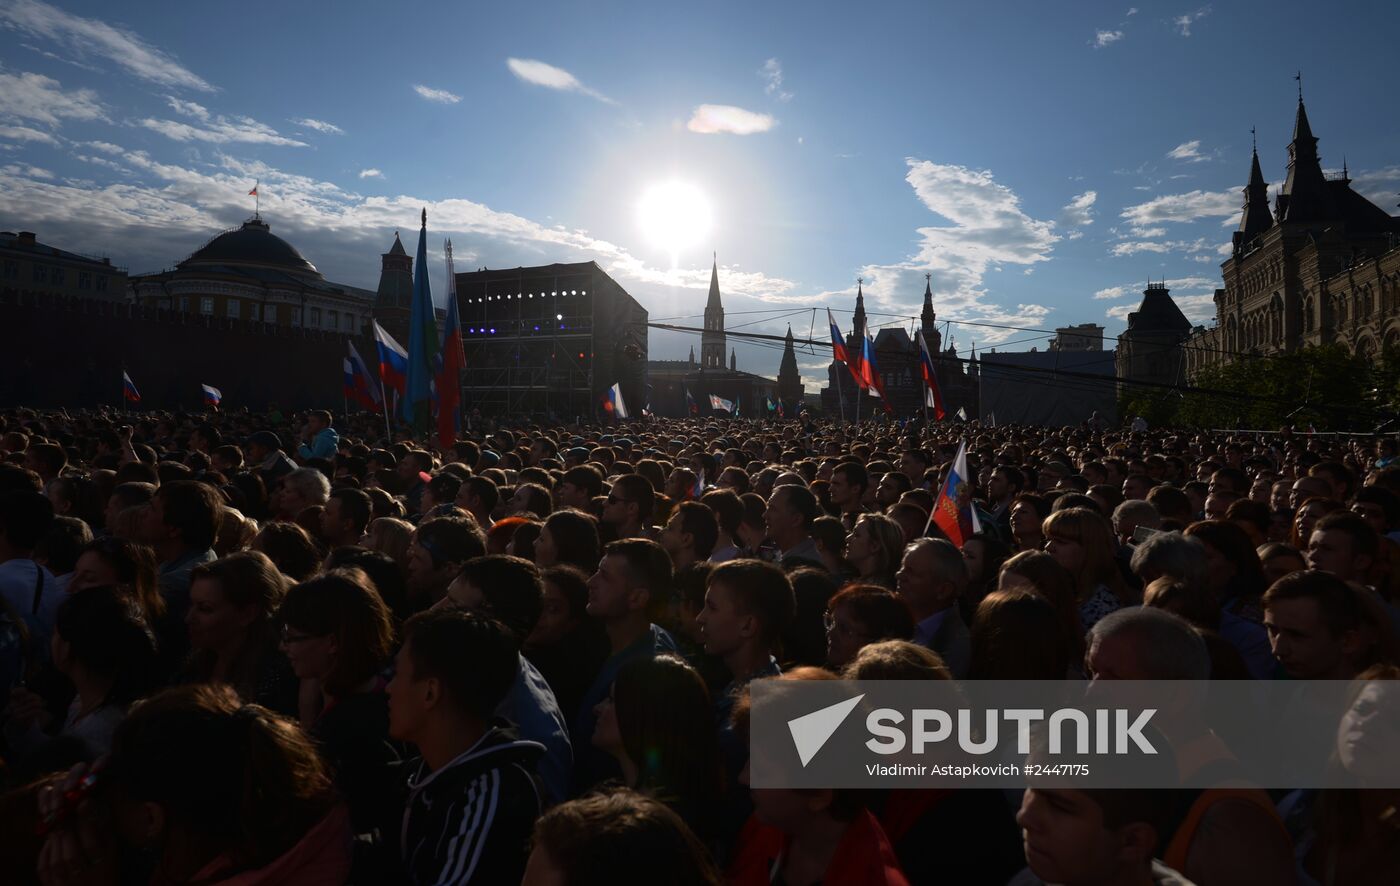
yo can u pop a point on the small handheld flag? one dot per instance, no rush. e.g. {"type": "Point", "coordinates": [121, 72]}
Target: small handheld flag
{"type": "Point", "coordinates": [718, 402]}
{"type": "Point", "coordinates": [953, 511]}
{"type": "Point", "coordinates": [699, 484]}
{"type": "Point", "coordinates": [690, 406]}
{"type": "Point", "coordinates": [212, 395]}
{"type": "Point", "coordinates": [615, 405]}
{"type": "Point", "coordinates": [129, 392]}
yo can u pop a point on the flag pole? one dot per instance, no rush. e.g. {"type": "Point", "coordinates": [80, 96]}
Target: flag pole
{"type": "Point", "coordinates": [840, 395]}
{"type": "Point", "coordinates": [384, 398]}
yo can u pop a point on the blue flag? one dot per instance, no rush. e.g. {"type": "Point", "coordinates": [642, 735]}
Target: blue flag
{"type": "Point", "coordinates": [423, 342]}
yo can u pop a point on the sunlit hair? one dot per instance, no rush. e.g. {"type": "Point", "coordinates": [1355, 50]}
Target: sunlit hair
{"type": "Point", "coordinates": [1092, 532]}
{"type": "Point", "coordinates": [886, 544]}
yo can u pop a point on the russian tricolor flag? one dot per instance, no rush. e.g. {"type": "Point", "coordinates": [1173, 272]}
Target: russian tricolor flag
{"type": "Point", "coordinates": [212, 395]}
{"type": "Point", "coordinates": [839, 352]}
{"type": "Point", "coordinates": [933, 396]}
{"type": "Point", "coordinates": [393, 361]}
{"type": "Point", "coordinates": [129, 392]}
{"type": "Point", "coordinates": [614, 403]}
{"type": "Point", "coordinates": [874, 385]}
{"type": "Point", "coordinates": [953, 512]}
{"type": "Point", "coordinates": [347, 384]}
{"type": "Point", "coordinates": [362, 387]}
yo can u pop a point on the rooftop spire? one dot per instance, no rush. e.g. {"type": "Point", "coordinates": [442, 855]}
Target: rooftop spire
{"type": "Point", "coordinates": [1256, 218]}
{"type": "Point", "coordinates": [713, 301]}
{"type": "Point", "coordinates": [1305, 195]}
{"type": "Point", "coordinates": [858, 318]}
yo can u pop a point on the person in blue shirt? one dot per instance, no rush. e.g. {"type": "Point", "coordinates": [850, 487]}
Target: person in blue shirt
{"type": "Point", "coordinates": [323, 441]}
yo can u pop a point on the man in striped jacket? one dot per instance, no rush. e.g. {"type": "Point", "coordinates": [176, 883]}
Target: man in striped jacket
{"type": "Point", "coordinates": [473, 796]}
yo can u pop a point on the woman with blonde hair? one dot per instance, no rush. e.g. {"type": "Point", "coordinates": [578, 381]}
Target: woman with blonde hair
{"type": "Point", "coordinates": [1082, 542]}
{"type": "Point", "coordinates": [392, 536]}
{"type": "Point", "coordinates": [874, 548]}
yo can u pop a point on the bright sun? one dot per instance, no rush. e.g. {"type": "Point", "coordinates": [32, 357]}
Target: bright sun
{"type": "Point", "coordinates": [674, 216]}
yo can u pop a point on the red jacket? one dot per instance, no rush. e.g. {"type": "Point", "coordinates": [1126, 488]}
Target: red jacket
{"type": "Point", "coordinates": [863, 856]}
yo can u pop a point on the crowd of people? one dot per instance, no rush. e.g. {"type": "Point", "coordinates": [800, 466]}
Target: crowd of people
{"type": "Point", "coordinates": [266, 648]}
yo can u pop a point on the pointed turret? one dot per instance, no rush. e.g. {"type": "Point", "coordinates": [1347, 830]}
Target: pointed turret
{"type": "Point", "coordinates": [712, 339]}
{"type": "Point", "coordinates": [789, 378]}
{"type": "Point", "coordinates": [858, 319]}
{"type": "Point", "coordinates": [1256, 218]}
{"type": "Point", "coordinates": [395, 292]}
{"type": "Point", "coordinates": [692, 355]}
{"type": "Point", "coordinates": [713, 300]}
{"type": "Point", "coordinates": [733, 361]}
{"type": "Point", "coordinates": [1305, 196]}
{"type": "Point", "coordinates": [928, 320]}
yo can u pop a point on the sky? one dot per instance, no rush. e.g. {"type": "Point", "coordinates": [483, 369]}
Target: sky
{"type": "Point", "coordinates": [1041, 161]}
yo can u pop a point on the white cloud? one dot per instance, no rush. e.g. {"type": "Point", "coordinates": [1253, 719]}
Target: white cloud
{"type": "Point", "coordinates": [544, 74]}
{"type": "Point", "coordinates": [219, 129]}
{"type": "Point", "coordinates": [1189, 247]}
{"type": "Point", "coordinates": [988, 230]}
{"type": "Point", "coordinates": [1132, 10]}
{"type": "Point", "coordinates": [1146, 233]}
{"type": "Point", "coordinates": [100, 161]}
{"type": "Point", "coordinates": [772, 74]}
{"type": "Point", "coordinates": [371, 173]}
{"type": "Point", "coordinates": [1184, 22]}
{"type": "Point", "coordinates": [1079, 212]}
{"type": "Point", "coordinates": [319, 126]}
{"type": "Point", "coordinates": [25, 134]}
{"type": "Point", "coordinates": [1105, 38]}
{"type": "Point", "coordinates": [36, 97]}
{"type": "Point", "coordinates": [105, 147]}
{"type": "Point", "coordinates": [87, 37]}
{"type": "Point", "coordinates": [1195, 296]}
{"type": "Point", "coordinates": [1186, 207]}
{"type": "Point", "coordinates": [1111, 292]}
{"type": "Point", "coordinates": [436, 95]}
{"type": "Point", "coordinates": [189, 109]}
{"type": "Point", "coordinates": [1190, 151]}
{"type": "Point", "coordinates": [1377, 185]}
{"type": "Point", "coordinates": [712, 119]}
{"type": "Point", "coordinates": [31, 171]}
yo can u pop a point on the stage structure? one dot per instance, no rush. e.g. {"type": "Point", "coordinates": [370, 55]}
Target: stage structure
{"type": "Point", "coordinates": [550, 341]}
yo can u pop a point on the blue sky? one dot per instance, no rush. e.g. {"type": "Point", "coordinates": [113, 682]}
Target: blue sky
{"type": "Point", "coordinates": [1040, 160]}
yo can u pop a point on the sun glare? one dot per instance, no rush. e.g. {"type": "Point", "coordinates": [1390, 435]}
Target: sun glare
{"type": "Point", "coordinates": [674, 216]}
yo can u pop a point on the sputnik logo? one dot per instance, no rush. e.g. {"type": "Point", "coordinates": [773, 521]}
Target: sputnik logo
{"type": "Point", "coordinates": [810, 732]}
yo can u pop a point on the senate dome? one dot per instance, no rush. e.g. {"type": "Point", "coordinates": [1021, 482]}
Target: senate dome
{"type": "Point", "coordinates": [253, 245]}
